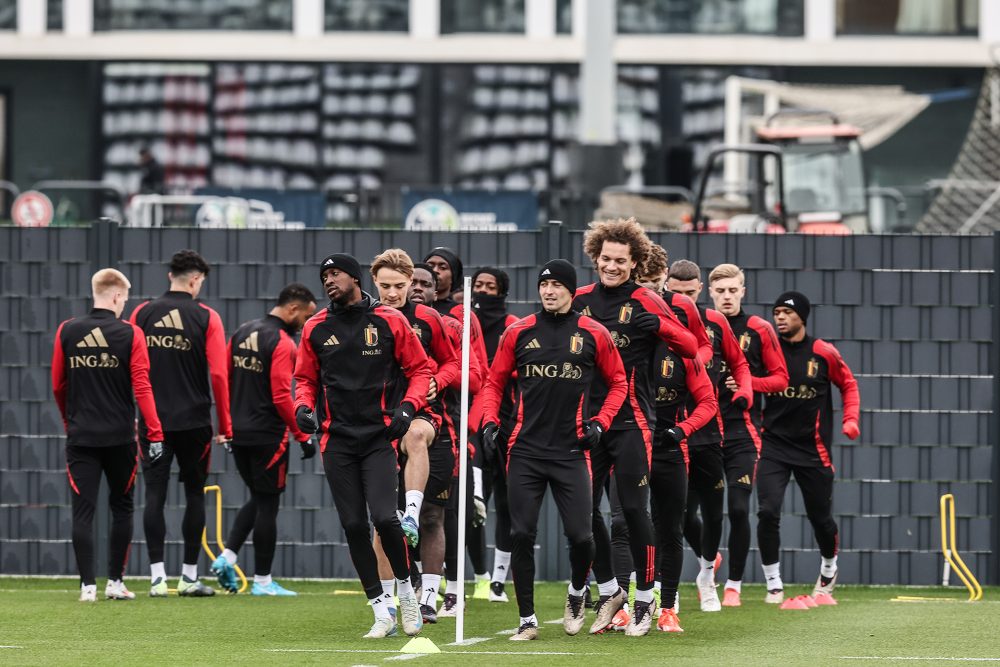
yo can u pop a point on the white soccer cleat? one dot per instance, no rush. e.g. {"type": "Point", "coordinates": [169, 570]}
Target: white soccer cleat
{"type": "Point", "coordinates": [409, 614]}
{"type": "Point", "coordinates": [820, 589]}
{"type": "Point", "coordinates": [88, 593]}
{"type": "Point", "coordinates": [115, 590]}
{"type": "Point", "coordinates": [776, 596]}
{"type": "Point", "coordinates": [708, 595]}
{"type": "Point", "coordinates": [382, 628]}
{"type": "Point", "coordinates": [641, 620]}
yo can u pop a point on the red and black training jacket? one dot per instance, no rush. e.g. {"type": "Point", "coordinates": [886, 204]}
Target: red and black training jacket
{"type": "Point", "coordinates": [685, 397]}
{"type": "Point", "coordinates": [768, 374]}
{"type": "Point", "coordinates": [354, 361]}
{"type": "Point", "coordinates": [98, 363]}
{"type": "Point", "coordinates": [615, 308]}
{"type": "Point", "coordinates": [798, 420]}
{"type": "Point", "coordinates": [556, 357]}
{"type": "Point", "coordinates": [187, 346]}
{"type": "Point", "coordinates": [261, 363]}
{"type": "Point", "coordinates": [446, 365]}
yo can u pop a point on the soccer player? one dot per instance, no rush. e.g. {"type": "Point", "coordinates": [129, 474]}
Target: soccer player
{"type": "Point", "coordinates": [98, 363]}
{"type": "Point", "coordinates": [798, 433]}
{"type": "Point", "coordinates": [261, 361]}
{"type": "Point", "coordinates": [187, 347]}
{"type": "Point", "coordinates": [741, 424]}
{"type": "Point", "coordinates": [490, 287]}
{"type": "Point", "coordinates": [555, 353]}
{"type": "Point", "coordinates": [685, 404]}
{"type": "Point", "coordinates": [424, 475]}
{"type": "Point", "coordinates": [357, 358]}
{"type": "Point", "coordinates": [707, 475]}
{"type": "Point", "coordinates": [637, 319]}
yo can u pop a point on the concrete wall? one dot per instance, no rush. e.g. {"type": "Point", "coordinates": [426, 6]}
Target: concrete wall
{"type": "Point", "coordinates": [910, 315]}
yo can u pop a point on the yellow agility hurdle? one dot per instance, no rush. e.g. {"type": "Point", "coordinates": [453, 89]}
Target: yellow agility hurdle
{"type": "Point", "coordinates": [949, 547]}
{"type": "Point", "coordinates": [218, 533]}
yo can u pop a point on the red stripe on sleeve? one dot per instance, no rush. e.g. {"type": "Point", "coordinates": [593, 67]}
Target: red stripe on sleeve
{"type": "Point", "coordinates": [772, 357]}
{"type": "Point", "coordinates": [139, 368]}
{"type": "Point", "coordinates": [700, 387]}
{"type": "Point", "coordinates": [218, 370]}
{"type": "Point", "coordinates": [841, 376]}
{"type": "Point", "coordinates": [671, 330]}
{"type": "Point", "coordinates": [410, 355]}
{"type": "Point", "coordinates": [307, 366]}
{"type": "Point", "coordinates": [696, 326]}
{"type": "Point", "coordinates": [504, 362]}
{"type": "Point", "coordinates": [282, 368]}
{"type": "Point", "coordinates": [59, 383]}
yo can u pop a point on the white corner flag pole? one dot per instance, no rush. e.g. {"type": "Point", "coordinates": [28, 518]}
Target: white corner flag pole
{"type": "Point", "coordinates": [463, 458]}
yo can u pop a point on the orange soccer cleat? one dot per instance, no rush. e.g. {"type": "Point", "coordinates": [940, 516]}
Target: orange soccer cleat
{"type": "Point", "coordinates": [731, 598]}
{"type": "Point", "coordinates": [668, 621]}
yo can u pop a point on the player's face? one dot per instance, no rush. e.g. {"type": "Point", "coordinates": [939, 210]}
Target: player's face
{"type": "Point", "coordinates": [654, 283]}
{"type": "Point", "coordinates": [787, 322]}
{"type": "Point", "coordinates": [614, 263]}
{"type": "Point", "coordinates": [392, 287]}
{"type": "Point", "coordinates": [443, 270]}
{"type": "Point", "coordinates": [421, 287]}
{"type": "Point", "coordinates": [555, 297]}
{"type": "Point", "coordinates": [339, 285]}
{"type": "Point", "coordinates": [486, 284]}
{"type": "Point", "coordinates": [301, 312]}
{"type": "Point", "coordinates": [689, 288]}
{"type": "Point", "coordinates": [727, 293]}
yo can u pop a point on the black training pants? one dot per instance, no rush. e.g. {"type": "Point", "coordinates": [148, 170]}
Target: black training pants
{"type": "Point", "coordinates": [669, 485]}
{"type": "Point", "coordinates": [816, 484]}
{"type": "Point", "coordinates": [571, 489]}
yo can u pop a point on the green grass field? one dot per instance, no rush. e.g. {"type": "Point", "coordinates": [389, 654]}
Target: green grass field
{"type": "Point", "coordinates": [41, 622]}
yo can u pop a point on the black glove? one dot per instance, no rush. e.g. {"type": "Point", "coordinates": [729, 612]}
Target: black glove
{"type": "Point", "coordinates": [488, 439]}
{"type": "Point", "coordinates": [592, 432]}
{"type": "Point", "coordinates": [401, 418]}
{"type": "Point", "coordinates": [306, 420]}
{"type": "Point", "coordinates": [740, 403]}
{"type": "Point", "coordinates": [647, 321]}
{"type": "Point", "coordinates": [308, 449]}
{"type": "Point", "coordinates": [674, 436]}
{"type": "Point", "coordinates": [154, 452]}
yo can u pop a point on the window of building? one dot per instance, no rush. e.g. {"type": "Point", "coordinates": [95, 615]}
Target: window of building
{"type": "Point", "coordinates": [8, 14]}
{"type": "Point", "coordinates": [564, 17]}
{"type": "Point", "coordinates": [368, 15]}
{"type": "Point", "coordinates": [193, 15]}
{"type": "Point", "coordinates": [719, 17]}
{"type": "Point", "coordinates": [55, 15]}
{"type": "Point", "coordinates": [908, 17]}
{"type": "Point", "coordinates": [503, 16]}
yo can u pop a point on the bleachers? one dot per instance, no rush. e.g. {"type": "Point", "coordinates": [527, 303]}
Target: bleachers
{"type": "Point", "coordinates": [910, 315]}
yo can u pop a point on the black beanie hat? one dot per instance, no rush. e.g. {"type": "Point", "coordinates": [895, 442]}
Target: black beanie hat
{"type": "Point", "coordinates": [448, 255]}
{"type": "Point", "coordinates": [503, 280]}
{"type": "Point", "coordinates": [561, 270]}
{"type": "Point", "coordinates": [797, 301]}
{"type": "Point", "coordinates": [342, 262]}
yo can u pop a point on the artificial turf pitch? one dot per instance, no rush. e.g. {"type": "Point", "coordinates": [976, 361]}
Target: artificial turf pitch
{"type": "Point", "coordinates": [41, 622]}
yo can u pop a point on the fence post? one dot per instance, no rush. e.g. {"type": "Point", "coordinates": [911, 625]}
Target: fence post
{"type": "Point", "coordinates": [994, 492]}
{"type": "Point", "coordinates": [105, 244]}
{"type": "Point", "coordinates": [553, 242]}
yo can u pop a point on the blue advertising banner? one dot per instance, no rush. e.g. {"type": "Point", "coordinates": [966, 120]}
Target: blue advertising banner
{"type": "Point", "coordinates": [453, 210]}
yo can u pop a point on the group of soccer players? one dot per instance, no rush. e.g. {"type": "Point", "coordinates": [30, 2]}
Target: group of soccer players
{"type": "Point", "coordinates": [624, 387]}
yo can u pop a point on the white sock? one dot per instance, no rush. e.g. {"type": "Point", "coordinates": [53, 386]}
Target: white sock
{"type": "Point", "coordinates": [484, 575]}
{"type": "Point", "coordinates": [190, 571]}
{"type": "Point", "coordinates": [707, 574]}
{"type": "Point", "coordinates": [420, 566]}
{"type": "Point", "coordinates": [452, 588]}
{"type": "Point", "coordinates": [631, 577]}
{"type": "Point", "coordinates": [608, 587]}
{"type": "Point", "coordinates": [413, 501]}
{"type": "Point", "coordinates": [530, 619]}
{"type": "Point", "coordinates": [735, 585]}
{"type": "Point", "coordinates": [157, 571]}
{"type": "Point", "coordinates": [229, 555]}
{"type": "Point", "coordinates": [88, 587]}
{"type": "Point", "coordinates": [380, 606]}
{"type": "Point", "coordinates": [575, 592]}
{"type": "Point", "coordinates": [388, 587]}
{"type": "Point", "coordinates": [828, 568]}
{"type": "Point", "coordinates": [404, 586]}
{"type": "Point", "coordinates": [772, 575]}
{"type": "Point", "coordinates": [114, 582]}
{"type": "Point", "coordinates": [262, 579]}
{"type": "Point", "coordinates": [431, 583]}
{"type": "Point", "coordinates": [501, 565]}
{"type": "Point", "coordinates": [644, 596]}
{"type": "Point", "coordinates": [656, 586]}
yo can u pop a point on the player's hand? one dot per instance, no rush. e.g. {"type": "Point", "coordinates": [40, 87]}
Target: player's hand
{"type": "Point", "coordinates": [401, 418]}
{"type": "Point", "coordinates": [308, 449]}
{"type": "Point", "coordinates": [592, 432]}
{"type": "Point", "coordinates": [674, 435]}
{"type": "Point", "coordinates": [731, 385]}
{"type": "Point", "coordinates": [154, 451]}
{"type": "Point", "coordinates": [851, 429]}
{"type": "Point", "coordinates": [479, 514]}
{"type": "Point", "coordinates": [488, 439]}
{"type": "Point", "coordinates": [740, 402]}
{"type": "Point", "coordinates": [305, 418]}
{"type": "Point", "coordinates": [432, 390]}
{"type": "Point", "coordinates": [647, 321]}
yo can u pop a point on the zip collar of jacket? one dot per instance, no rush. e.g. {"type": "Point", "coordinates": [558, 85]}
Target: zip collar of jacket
{"type": "Point", "coordinates": [366, 303]}
{"type": "Point", "coordinates": [627, 286]}
{"type": "Point", "coordinates": [281, 323]}
{"type": "Point", "coordinates": [555, 318]}
{"type": "Point", "coordinates": [103, 314]}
